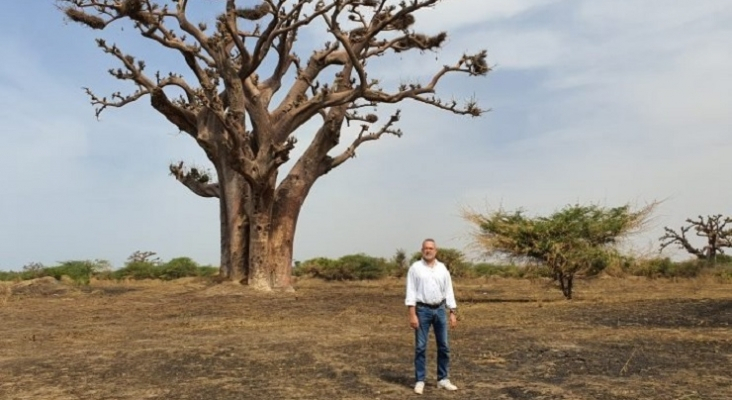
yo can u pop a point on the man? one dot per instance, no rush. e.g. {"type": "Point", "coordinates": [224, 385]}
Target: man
{"type": "Point", "coordinates": [429, 291]}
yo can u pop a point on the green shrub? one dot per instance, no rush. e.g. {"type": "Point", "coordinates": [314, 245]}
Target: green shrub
{"type": "Point", "coordinates": [724, 273]}
{"type": "Point", "coordinates": [650, 268]}
{"type": "Point", "coordinates": [315, 267]}
{"type": "Point", "coordinates": [78, 271]}
{"type": "Point", "coordinates": [666, 268]}
{"type": "Point", "coordinates": [686, 269]}
{"type": "Point", "coordinates": [137, 270]}
{"type": "Point", "coordinates": [346, 268]}
{"type": "Point", "coordinates": [180, 267]}
{"type": "Point", "coordinates": [8, 276]}
{"type": "Point", "coordinates": [362, 267]}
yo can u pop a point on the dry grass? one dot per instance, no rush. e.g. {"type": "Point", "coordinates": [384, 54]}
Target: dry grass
{"type": "Point", "coordinates": [517, 339]}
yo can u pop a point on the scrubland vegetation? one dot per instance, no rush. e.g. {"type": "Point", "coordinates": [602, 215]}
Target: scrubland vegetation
{"type": "Point", "coordinates": [362, 267]}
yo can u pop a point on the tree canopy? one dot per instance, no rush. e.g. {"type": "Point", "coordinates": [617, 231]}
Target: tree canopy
{"type": "Point", "coordinates": [573, 239]}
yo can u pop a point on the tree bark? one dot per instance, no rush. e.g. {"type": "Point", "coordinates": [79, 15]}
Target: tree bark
{"type": "Point", "coordinates": [234, 224]}
{"type": "Point", "coordinates": [260, 228]}
{"type": "Point", "coordinates": [289, 199]}
{"type": "Point", "coordinates": [565, 283]}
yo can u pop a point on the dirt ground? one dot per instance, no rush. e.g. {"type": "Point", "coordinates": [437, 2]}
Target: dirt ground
{"type": "Point", "coordinates": [628, 339]}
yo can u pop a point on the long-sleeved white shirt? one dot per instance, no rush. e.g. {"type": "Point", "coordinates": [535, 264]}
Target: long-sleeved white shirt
{"type": "Point", "coordinates": [429, 285]}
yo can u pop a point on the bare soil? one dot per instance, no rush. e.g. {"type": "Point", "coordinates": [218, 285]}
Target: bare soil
{"type": "Point", "coordinates": [628, 339]}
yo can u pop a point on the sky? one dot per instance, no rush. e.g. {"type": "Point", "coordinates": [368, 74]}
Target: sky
{"type": "Point", "coordinates": [590, 102]}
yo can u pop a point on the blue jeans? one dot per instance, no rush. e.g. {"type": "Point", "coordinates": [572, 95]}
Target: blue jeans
{"type": "Point", "coordinates": [437, 318]}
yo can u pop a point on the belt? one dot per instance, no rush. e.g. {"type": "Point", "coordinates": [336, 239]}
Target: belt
{"type": "Point", "coordinates": [433, 306]}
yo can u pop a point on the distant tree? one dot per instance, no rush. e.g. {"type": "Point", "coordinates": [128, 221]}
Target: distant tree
{"type": "Point", "coordinates": [231, 103]}
{"type": "Point", "coordinates": [712, 227]}
{"type": "Point", "coordinates": [574, 239]}
{"type": "Point", "coordinates": [33, 269]}
{"type": "Point", "coordinates": [144, 257]}
{"type": "Point", "coordinates": [400, 259]}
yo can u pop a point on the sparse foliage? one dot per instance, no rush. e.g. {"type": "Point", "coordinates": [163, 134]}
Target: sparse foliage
{"type": "Point", "coordinates": [238, 65]}
{"type": "Point", "coordinates": [144, 256]}
{"type": "Point", "coordinates": [400, 259]}
{"type": "Point", "coordinates": [574, 239]}
{"type": "Point", "coordinates": [713, 228]}
{"type": "Point", "coordinates": [33, 269]}
{"type": "Point", "coordinates": [347, 268]}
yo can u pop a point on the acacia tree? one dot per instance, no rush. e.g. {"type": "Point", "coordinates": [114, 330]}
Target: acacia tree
{"type": "Point", "coordinates": [240, 66]}
{"type": "Point", "coordinates": [713, 228]}
{"type": "Point", "coordinates": [574, 239]}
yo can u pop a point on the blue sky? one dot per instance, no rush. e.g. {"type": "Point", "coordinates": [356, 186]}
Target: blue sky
{"type": "Point", "coordinates": [603, 102]}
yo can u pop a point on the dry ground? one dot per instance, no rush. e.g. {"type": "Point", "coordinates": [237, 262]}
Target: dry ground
{"type": "Point", "coordinates": [619, 339]}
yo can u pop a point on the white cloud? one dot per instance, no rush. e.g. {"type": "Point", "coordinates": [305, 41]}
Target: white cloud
{"type": "Point", "coordinates": [451, 15]}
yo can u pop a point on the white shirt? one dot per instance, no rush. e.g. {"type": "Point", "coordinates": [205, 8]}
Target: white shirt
{"type": "Point", "coordinates": [429, 285]}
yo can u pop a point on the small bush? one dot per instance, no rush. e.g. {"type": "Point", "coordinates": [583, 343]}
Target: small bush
{"type": "Point", "coordinates": [686, 269]}
{"type": "Point", "coordinates": [180, 267]}
{"type": "Point", "coordinates": [207, 271]}
{"type": "Point", "coordinates": [137, 270]}
{"type": "Point", "coordinates": [33, 270]}
{"type": "Point", "coordinates": [666, 268]}
{"type": "Point", "coordinates": [315, 267]}
{"type": "Point", "coordinates": [78, 271]}
{"type": "Point", "coordinates": [362, 267]}
{"type": "Point", "coordinates": [9, 276]}
{"type": "Point", "coordinates": [347, 268]}
{"type": "Point", "coordinates": [650, 268]}
{"type": "Point", "coordinates": [724, 273]}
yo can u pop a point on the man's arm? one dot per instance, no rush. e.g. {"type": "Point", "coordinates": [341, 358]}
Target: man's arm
{"type": "Point", "coordinates": [450, 299]}
{"type": "Point", "coordinates": [449, 293]}
{"type": "Point", "coordinates": [411, 299]}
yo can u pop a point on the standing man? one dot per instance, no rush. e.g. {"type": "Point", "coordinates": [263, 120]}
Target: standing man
{"type": "Point", "coordinates": [430, 299]}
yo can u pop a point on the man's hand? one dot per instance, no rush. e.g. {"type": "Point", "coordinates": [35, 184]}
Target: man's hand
{"type": "Point", "coordinates": [453, 320]}
{"type": "Point", "coordinates": [413, 321]}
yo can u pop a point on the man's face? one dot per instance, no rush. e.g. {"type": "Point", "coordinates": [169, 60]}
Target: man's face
{"type": "Point", "coordinates": [429, 251]}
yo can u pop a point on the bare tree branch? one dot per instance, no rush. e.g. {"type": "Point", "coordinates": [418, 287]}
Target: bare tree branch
{"type": "Point", "coordinates": [195, 180]}
{"type": "Point", "coordinates": [364, 136]}
{"type": "Point", "coordinates": [711, 227]}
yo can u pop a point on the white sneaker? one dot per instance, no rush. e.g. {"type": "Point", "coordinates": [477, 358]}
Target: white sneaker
{"type": "Point", "coordinates": [446, 384]}
{"type": "Point", "coordinates": [419, 388]}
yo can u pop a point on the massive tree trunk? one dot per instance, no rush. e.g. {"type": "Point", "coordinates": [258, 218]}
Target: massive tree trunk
{"type": "Point", "coordinates": [234, 193]}
{"type": "Point", "coordinates": [289, 199]}
{"type": "Point", "coordinates": [260, 227]}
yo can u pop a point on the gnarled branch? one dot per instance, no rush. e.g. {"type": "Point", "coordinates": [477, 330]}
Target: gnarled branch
{"type": "Point", "coordinates": [197, 181]}
{"type": "Point", "coordinates": [713, 228]}
{"type": "Point", "coordinates": [365, 136]}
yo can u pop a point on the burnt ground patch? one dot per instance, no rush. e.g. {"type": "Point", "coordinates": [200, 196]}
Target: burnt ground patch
{"type": "Point", "coordinates": [670, 313]}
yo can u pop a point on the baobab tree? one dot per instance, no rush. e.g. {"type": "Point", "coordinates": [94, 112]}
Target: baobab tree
{"type": "Point", "coordinates": [712, 227]}
{"type": "Point", "coordinates": [237, 67]}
